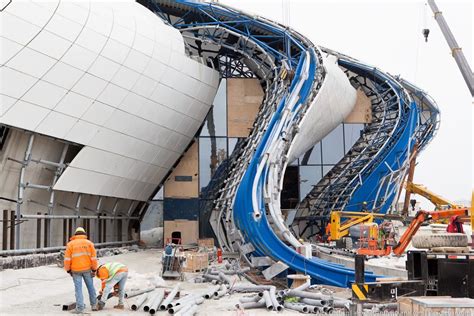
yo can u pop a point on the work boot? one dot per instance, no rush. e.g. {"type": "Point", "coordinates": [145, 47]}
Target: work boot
{"type": "Point", "coordinates": [119, 306]}
{"type": "Point", "coordinates": [100, 305]}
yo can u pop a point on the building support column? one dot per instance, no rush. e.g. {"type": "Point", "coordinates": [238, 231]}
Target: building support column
{"type": "Point", "coordinates": [58, 171]}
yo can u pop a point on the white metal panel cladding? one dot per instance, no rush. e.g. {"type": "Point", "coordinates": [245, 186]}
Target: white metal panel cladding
{"type": "Point", "coordinates": [327, 111]}
{"type": "Point", "coordinates": [110, 76]}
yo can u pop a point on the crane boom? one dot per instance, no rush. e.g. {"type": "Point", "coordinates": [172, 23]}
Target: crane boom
{"type": "Point", "coordinates": [434, 198]}
{"type": "Point", "coordinates": [453, 45]}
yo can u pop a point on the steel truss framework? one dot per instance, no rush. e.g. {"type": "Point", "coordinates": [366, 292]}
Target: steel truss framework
{"type": "Point", "coordinates": [57, 168]}
{"type": "Point", "coordinates": [287, 65]}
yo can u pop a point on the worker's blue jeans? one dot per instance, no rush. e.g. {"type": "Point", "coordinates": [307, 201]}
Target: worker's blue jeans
{"type": "Point", "coordinates": [120, 279]}
{"type": "Point", "coordinates": [77, 278]}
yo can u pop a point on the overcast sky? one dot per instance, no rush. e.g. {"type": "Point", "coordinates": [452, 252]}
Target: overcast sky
{"type": "Point", "coordinates": [387, 34]}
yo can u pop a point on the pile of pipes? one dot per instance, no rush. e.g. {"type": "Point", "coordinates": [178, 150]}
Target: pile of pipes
{"type": "Point", "coordinates": [153, 300]}
{"type": "Point", "coordinates": [221, 275]}
{"type": "Point", "coordinates": [319, 300]}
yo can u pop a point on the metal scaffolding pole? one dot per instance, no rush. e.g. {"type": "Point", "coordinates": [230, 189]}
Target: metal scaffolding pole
{"type": "Point", "coordinates": [453, 45]}
{"type": "Point", "coordinates": [59, 169]}
{"type": "Point", "coordinates": [21, 189]}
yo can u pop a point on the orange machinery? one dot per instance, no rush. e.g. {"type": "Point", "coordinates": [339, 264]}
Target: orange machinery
{"type": "Point", "coordinates": [420, 218]}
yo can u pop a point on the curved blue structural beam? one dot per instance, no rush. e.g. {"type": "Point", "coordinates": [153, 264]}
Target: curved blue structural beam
{"type": "Point", "coordinates": [291, 71]}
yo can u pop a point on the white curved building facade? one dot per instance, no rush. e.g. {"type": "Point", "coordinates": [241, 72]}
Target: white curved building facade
{"type": "Point", "coordinates": [112, 79]}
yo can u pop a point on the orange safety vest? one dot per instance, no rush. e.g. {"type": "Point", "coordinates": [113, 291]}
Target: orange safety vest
{"type": "Point", "coordinates": [80, 255]}
{"type": "Point", "coordinates": [109, 270]}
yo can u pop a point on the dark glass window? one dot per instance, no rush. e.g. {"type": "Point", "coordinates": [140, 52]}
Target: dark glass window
{"type": "Point", "coordinates": [326, 169]}
{"type": "Point", "coordinates": [312, 156]}
{"type": "Point", "coordinates": [351, 134]}
{"type": "Point", "coordinates": [216, 120]}
{"type": "Point", "coordinates": [212, 152]}
{"type": "Point", "coordinates": [290, 193]}
{"type": "Point", "coordinates": [309, 176]}
{"type": "Point", "coordinates": [333, 146]}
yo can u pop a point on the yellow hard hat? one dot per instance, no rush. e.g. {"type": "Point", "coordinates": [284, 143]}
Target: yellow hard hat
{"type": "Point", "coordinates": [80, 230]}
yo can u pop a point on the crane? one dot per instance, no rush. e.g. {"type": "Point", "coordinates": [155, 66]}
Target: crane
{"type": "Point", "coordinates": [456, 50]}
{"type": "Point", "coordinates": [439, 201]}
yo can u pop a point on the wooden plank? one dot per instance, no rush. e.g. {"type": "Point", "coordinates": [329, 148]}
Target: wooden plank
{"type": "Point", "coordinates": [206, 243]}
{"type": "Point", "coordinates": [189, 230]}
{"type": "Point", "coordinates": [362, 111]}
{"type": "Point", "coordinates": [195, 261]}
{"type": "Point", "coordinates": [244, 97]}
{"type": "Point", "coordinates": [177, 185]}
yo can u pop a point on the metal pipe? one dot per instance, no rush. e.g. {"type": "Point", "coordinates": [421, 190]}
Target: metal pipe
{"type": "Point", "coordinates": [169, 298]}
{"type": "Point", "coordinates": [327, 309]}
{"type": "Point", "coordinates": [342, 303]}
{"type": "Point", "coordinates": [314, 302]}
{"type": "Point", "coordinates": [250, 288]}
{"type": "Point", "coordinates": [250, 299]}
{"type": "Point", "coordinates": [316, 309]}
{"type": "Point", "coordinates": [211, 292]}
{"type": "Point", "coordinates": [155, 304]}
{"type": "Point", "coordinates": [195, 301]}
{"type": "Point", "coordinates": [316, 296]}
{"type": "Point", "coordinates": [21, 252]}
{"type": "Point", "coordinates": [21, 188]}
{"type": "Point", "coordinates": [303, 286]}
{"type": "Point", "coordinates": [296, 307]}
{"type": "Point", "coordinates": [182, 311]}
{"type": "Point", "coordinates": [152, 298]}
{"type": "Point", "coordinates": [249, 305]}
{"type": "Point", "coordinates": [211, 277]}
{"type": "Point", "coordinates": [268, 300]}
{"type": "Point", "coordinates": [191, 311]}
{"type": "Point", "coordinates": [222, 291]}
{"type": "Point", "coordinates": [183, 300]}
{"type": "Point", "coordinates": [139, 302]}
{"type": "Point", "coordinates": [276, 305]}
{"type": "Point", "coordinates": [224, 278]}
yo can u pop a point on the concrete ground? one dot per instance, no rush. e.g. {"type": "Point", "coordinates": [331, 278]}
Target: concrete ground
{"type": "Point", "coordinates": [43, 290]}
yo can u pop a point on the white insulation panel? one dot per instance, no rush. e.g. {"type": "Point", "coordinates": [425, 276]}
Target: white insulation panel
{"type": "Point", "coordinates": [333, 103]}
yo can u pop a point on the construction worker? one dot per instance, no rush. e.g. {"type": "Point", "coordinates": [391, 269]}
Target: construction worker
{"type": "Point", "coordinates": [364, 207]}
{"type": "Point", "coordinates": [80, 261]}
{"type": "Point", "coordinates": [111, 274]}
{"type": "Point", "coordinates": [455, 225]}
